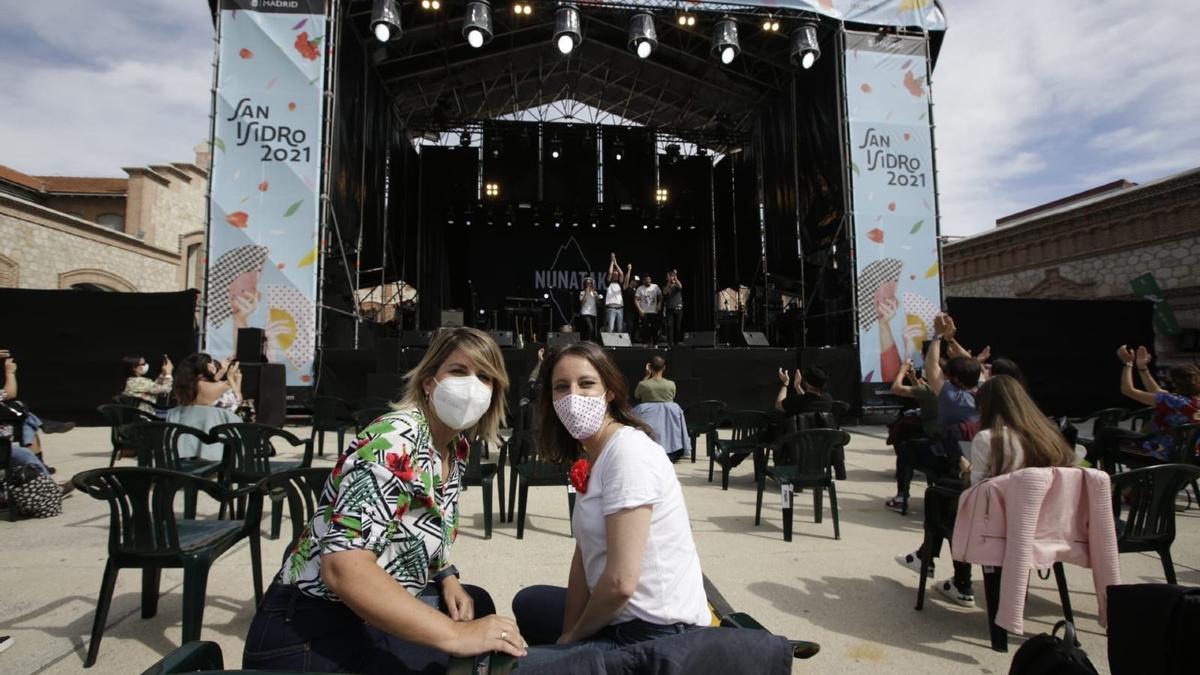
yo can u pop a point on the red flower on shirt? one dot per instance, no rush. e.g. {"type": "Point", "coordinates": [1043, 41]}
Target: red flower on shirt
{"type": "Point", "coordinates": [401, 466]}
{"type": "Point", "coordinates": [580, 472]}
{"type": "Point", "coordinates": [462, 448]}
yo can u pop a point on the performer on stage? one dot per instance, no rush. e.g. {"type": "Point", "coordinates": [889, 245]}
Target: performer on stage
{"type": "Point", "coordinates": [673, 301]}
{"type": "Point", "coordinates": [614, 303]}
{"type": "Point", "coordinates": [588, 300]}
{"type": "Point", "coordinates": [649, 306]}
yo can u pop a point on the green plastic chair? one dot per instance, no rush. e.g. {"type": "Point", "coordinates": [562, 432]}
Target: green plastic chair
{"type": "Point", "coordinates": [118, 416]}
{"type": "Point", "coordinates": [157, 445]}
{"type": "Point", "coordinates": [145, 534]}
{"type": "Point", "coordinates": [248, 451]}
{"type": "Point", "coordinates": [750, 428]}
{"type": "Point", "coordinates": [803, 459]}
{"type": "Point", "coordinates": [702, 419]}
{"type": "Point", "coordinates": [531, 470]}
{"type": "Point", "coordinates": [331, 414]}
{"type": "Point", "coordinates": [482, 474]}
{"type": "Point", "coordinates": [300, 489]}
{"type": "Point", "coordinates": [1149, 523]}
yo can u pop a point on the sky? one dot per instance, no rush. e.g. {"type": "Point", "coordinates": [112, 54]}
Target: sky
{"type": "Point", "coordinates": [1033, 101]}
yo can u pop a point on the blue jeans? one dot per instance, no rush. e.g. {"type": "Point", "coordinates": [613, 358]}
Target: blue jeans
{"type": "Point", "coordinates": [32, 424]}
{"type": "Point", "coordinates": [292, 631]}
{"type": "Point", "coordinates": [21, 455]}
{"type": "Point", "coordinates": [614, 317]}
{"type": "Point", "coordinates": [539, 614]}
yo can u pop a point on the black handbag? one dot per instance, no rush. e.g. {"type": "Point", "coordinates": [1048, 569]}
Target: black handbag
{"type": "Point", "coordinates": [1051, 655]}
{"type": "Point", "coordinates": [33, 494]}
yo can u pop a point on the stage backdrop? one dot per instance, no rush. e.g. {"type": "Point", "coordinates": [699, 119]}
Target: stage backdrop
{"type": "Point", "coordinates": [895, 217]}
{"type": "Point", "coordinates": [264, 208]}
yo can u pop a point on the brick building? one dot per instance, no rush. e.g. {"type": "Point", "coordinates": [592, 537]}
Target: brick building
{"type": "Point", "coordinates": [144, 232]}
{"type": "Point", "coordinates": [1092, 245]}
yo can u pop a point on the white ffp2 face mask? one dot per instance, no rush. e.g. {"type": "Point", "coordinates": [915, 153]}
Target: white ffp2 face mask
{"type": "Point", "coordinates": [143, 369]}
{"type": "Point", "coordinates": [459, 402]}
{"type": "Point", "coordinates": [583, 416]}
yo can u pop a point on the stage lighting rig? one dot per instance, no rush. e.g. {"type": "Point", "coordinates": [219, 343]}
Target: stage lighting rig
{"type": "Point", "coordinates": [567, 33]}
{"type": "Point", "coordinates": [492, 190]}
{"type": "Point", "coordinates": [431, 5]}
{"type": "Point", "coordinates": [805, 49]}
{"type": "Point", "coordinates": [686, 20]}
{"type": "Point", "coordinates": [643, 39]}
{"type": "Point", "coordinates": [725, 45]}
{"type": "Point", "coordinates": [661, 195]}
{"type": "Point", "coordinates": [555, 147]}
{"type": "Point", "coordinates": [477, 26]}
{"type": "Point", "coordinates": [385, 20]}
{"type": "Point", "coordinates": [770, 25]}
{"type": "Point", "coordinates": [522, 9]}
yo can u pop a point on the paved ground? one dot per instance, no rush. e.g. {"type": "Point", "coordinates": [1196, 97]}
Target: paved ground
{"type": "Point", "coordinates": [848, 595]}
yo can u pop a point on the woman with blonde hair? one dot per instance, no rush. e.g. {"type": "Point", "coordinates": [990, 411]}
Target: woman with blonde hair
{"type": "Point", "coordinates": [1013, 432]}
{"type": "Point", "coordinates": [362, 588]}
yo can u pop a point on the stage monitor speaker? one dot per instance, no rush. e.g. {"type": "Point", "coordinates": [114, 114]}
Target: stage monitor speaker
{"type": "Point", "coordinates": [503, 338]}
{"type": "Point", "coordinates": [751, 338]}
{"type": "Point", "coordinates": [250, 345]}
{"type": "Point", "coordinates": [416, 338]}
{"type": "Point", "coordinates": [615, 340]}
{"type": "Point", "coordinates": [266, 383]}
{"type": "Point", "coordinates": [559, 340]}
{"type": "Point", "coordinates": [452, 318]}
{"type": "Point", "coordinates": [700, 338]}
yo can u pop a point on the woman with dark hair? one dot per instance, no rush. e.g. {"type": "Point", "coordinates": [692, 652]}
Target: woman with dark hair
{"type": "Point", "coordinates": [199, 383]}
{"type": "Point", "coordinates": [635, 574]}
{"type": "Point", "coordinates": [1172, 408]}
{"type": "Point", "coordinates": [1013, 433]}
{"type": "Point", "coordinates": [368, 587]}
{"type": "Point", "coordinates": [136, 385]}
{"type": "Point", "coordinates": [589, 301]}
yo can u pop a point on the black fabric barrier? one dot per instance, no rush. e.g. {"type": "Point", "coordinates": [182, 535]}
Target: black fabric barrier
{"type": "Point", "coordinates": [68, 344]}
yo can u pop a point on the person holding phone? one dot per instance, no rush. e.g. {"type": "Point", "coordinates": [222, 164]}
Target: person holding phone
{"type": "Point", "coordinates": [136, 385]}
{"type": "Point", "coordinates": [200, 382]}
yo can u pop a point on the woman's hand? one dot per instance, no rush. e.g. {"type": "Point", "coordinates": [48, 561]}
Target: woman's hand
{"type": "Point", "coordinates": [458, 601]}
{"type": "Point", "coordinates": [783, 377]}
{"type": "Point", "coordinates": [1125, 354]}
{"type": "Point", "coordinates": [566, 638]}
{"type": "Point", "coordinates": [167, 367]}
{"type": "Point", "coordinates": [489, 634]}
{"type": "Point", "coordinates": [1142, 357]}
{"type": "Point", "coordinates": [10, 366]}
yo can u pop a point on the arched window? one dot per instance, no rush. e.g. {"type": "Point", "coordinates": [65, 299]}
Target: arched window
{"type": "Point", "coordinates": [112, 221]}
{"type": "Point", "coordinates": [91, 287]}
{"type": "Point", "coordinates": [94, 280]}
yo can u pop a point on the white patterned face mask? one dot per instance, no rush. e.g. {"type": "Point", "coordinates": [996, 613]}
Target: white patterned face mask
{"type": "Point", "coordinates": [460, 402]}
{"type": "Point", "coordinates": [583, 416]}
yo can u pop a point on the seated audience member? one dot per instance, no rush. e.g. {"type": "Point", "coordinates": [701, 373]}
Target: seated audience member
{"type": "Point", "coordinates": [230, 371]}
{"type": "Point", "coordinates": [1171, 408]}
{"type": "Point", "coordinates": [635, 574]}
{"type": "Point", "coordinates": [20, 454]}
{"type": "Point", "coordinates": [919, 427]}
{"type": "Point", "coordinates": [28, 436]}
{"type": "Point", "coordinates": [198, 387]}
{"type": "Point", "coordinates": [1014, 434]}
{"type": "Point", "coordinates": [369, 587]}
{"type": "Point", "coordinates": [136, 385]}
{"type": "Point", "coordinates": [806, 394]}
{"type": "Point", "coordinates": [654, 388]}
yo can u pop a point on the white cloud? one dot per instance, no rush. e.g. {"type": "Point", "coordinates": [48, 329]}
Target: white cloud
{"type": "Point", "coordinates": [1036, 102]}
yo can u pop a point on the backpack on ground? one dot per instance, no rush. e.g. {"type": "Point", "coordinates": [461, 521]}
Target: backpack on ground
{"type": "Point", "coordinates": [1051, 655]}
{"type": "Point", "coordinates": [33, 493]}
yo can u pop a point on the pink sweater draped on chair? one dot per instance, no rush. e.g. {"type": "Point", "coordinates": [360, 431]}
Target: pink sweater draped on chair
{"type": "Point", "coordinates": [1031, 519]}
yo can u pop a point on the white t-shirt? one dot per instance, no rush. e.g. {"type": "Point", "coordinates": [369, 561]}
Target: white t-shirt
{"type": "Point", "coordinates": [634, 471]}
{"type": "Point", "coordinates": [612, 297]}
{"type": "Point", "coordinates": [647, 298]}
{"type": "Point", "coordinates": [587, 303]}
{"type": "Point", "coordinates": [981, 455]}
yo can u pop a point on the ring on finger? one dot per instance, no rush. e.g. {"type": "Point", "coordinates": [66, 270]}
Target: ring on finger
{"type": "Point", "coordinates": [504, 635]}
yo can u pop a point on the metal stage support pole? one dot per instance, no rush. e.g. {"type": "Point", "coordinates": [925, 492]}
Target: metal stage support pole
{"type": "Point", "coordinates": [712, 229]}
{"type": "Point", "coordinates": [937, 207]}
{"type": "Point", "coordinates": [847, 180]}
{"type": "Point", "coordinates": [799, 238]}
{"type": "Point", "coordinates": [212, 131]}
{"type": "Point", "coordinates": [362, 207]}
{"type": "Point", "coordinates": [332, 27]}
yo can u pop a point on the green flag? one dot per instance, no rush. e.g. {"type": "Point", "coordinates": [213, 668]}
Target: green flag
{"type": "Point", "coordinates": [1146, 288]}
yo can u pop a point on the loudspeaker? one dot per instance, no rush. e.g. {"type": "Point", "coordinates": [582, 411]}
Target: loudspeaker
{"type": "Point", "coordinates": [416, 338]}
{"type": "Point", "coordinates": [503, 338]}
{"type": "Point", "coordinates": [615, 340]}
{"type": "Point", "coordinates": [250, 345]}
{"type": "Point", "coordinates": [752, 338]}
{"type": "Point", "coordinates": [266, 383]}
{"type": "Point", "coordinates": [700, 338]}
{"type": "Point", "coordinates": [452, 318]}
{"type": "Point", "coordinates": [559, 340]}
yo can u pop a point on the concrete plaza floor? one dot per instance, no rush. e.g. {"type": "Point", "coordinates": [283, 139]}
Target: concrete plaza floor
{"type": "Point", "coordinates": [848, 595]}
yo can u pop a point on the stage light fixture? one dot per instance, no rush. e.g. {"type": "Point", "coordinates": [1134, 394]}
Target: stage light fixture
{"type": "Point", "coordinates": [725, 43]}
{"type": "Point", "coordinates": [555, 147]}
{"type": "Point", "coordinates": [805, 48]}
{"type": "Point", "coordinates": [567, 33]}
{"type": "Point", "coordinates": [643, 39]}
{"type": "Point", "coordinates": [385, 20]}
{"type": "Point", "coordinates": [477, 26]}
{"type": "Point", "coordinates": [645, 227]}
{"type": "Point", "coordinates": [687, 19]}
{"type": "Point", "coordinates": [522, 9]}
{"type": "Point", "coordinates": [431, 5]}
{"type": "Point", "coordinates": [492, 190]}
{"type": "Point", "coordinates": [770, 25]}
{"type": "Point", "coordinates": [661, 195]}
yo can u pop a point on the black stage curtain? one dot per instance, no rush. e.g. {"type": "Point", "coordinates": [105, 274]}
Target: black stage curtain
{"type": "Point", "coordinates": [449, 176]}
{"type": "Point", "coordinates": [72, 364]}
{"type": "Point", "coordinates": [1066, 348]}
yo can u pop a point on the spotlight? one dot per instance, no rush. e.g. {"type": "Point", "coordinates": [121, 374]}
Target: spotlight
{"type": "Point", "coordinates": [687, 20]}
{"type": "Point", "coordinates": [477, 26]}
{"type": "Point", "coordinates": [545, 296]}
{"type": "Point", "coordinates": [385, 20]}
{"type": "Point", "coordinates": [661, 195]}
{"type": "Point", "coordinates": [725, 41]}
{"type": "Point", "coordinates": [642, 36]}
{"type": "Point", "coordinates": [431, 5]}
{"type": "Point", "coordinates": [567, 34]}
{"type": "Point", "coordinates": [522, 8]}
{"type": "Point", "coordinates": [492, 190]}
{"type": "Point", "coordinates": [805, 49]}
{"type": "Point", "coordinates": [555, 147]}
{"type": "Point", "coordinates": [770, 25]}
{"type": "Point", "coordinates": [618, 156]}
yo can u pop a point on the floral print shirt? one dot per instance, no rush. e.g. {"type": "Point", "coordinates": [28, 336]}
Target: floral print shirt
{"type": "Point", "coordinates": [1170, 411]}
{"type": "Point", "coordinates": [385, 496]}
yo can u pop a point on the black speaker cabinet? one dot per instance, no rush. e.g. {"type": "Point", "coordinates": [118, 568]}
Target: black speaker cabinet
{"type": "Point", "coordinates": [700, 338]}
{"type": "Point", "coordinates": [503, 338]}
{"type": "Point", "coordinates": [416, 338]}
{"type": "Point", "coordinates": [752, 338]}
{"type": "Point", "coordinates": [266, 383]}
{"type": "Point", "coordinates": [559, 340]}
{"type": "Point", "coordinates": [250, 345]}
{"type": "Point", "coordinates": [615, 340]}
